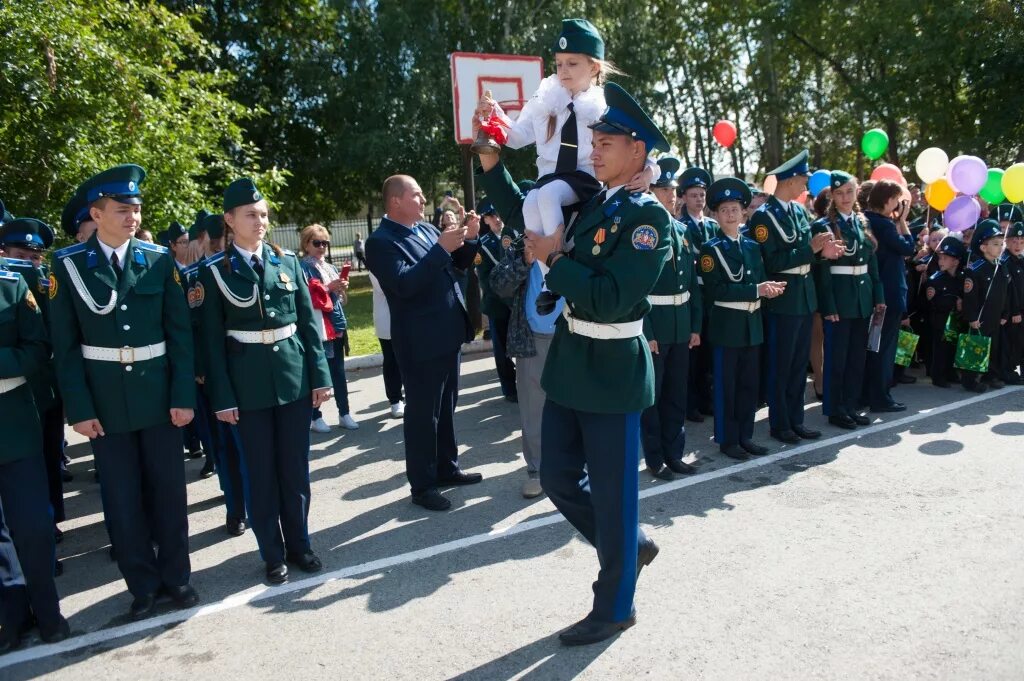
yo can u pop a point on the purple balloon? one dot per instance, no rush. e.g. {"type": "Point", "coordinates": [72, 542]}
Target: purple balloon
{"type": "Point", "coordinates": [969, 174]}
{"type": "Point", "coordinates": [962, 213]}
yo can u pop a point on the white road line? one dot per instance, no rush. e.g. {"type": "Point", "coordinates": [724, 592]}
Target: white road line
{"type": "Point", "coordinates": [265, 593]}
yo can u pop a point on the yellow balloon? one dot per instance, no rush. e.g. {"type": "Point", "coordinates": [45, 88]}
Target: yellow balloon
{"type": "Point", "coordinates": [939, 194]}
{"type": "Point", "coordinates": [1013, 183]}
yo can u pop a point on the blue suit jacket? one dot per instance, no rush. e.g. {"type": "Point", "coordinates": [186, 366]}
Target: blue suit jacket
{"type": "Point", "coordinates": [428, 318]}
{"type": "Point", "coordinates": [893, 248]}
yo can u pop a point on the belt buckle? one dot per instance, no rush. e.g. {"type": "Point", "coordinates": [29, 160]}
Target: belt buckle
{"type": "Point", "coordinates": [126, 355]}
{"type": "Point", "coordinates": [266, 334]}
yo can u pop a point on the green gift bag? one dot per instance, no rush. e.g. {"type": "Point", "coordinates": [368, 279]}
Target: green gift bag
{"type": "Point", "coordinates": [954, 327]}
{"type": "Point", "coordinates": [905, 347]}
{"type": "Point", "coordinates": [972, 352]}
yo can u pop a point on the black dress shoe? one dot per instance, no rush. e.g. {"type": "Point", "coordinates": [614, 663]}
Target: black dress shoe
{"type": "Point", "coordinates": [588, 631]}
{"type": "Point", "coordinates": [889, 408]}
{"type": "Point", "coordinates": [460, 478]}
{"type": "Point", "coordinates": [432, 501]}
{"type": "Point", "coordinates": [681, 467]}
{"type": "Point", "coordinates": [307, 562]}
{"type": "Point", "coordinates": [787, 436]}
{"type": "Point", "coordinates": [277, 573]}
{"type": "Point", "coordinates": [55, 634]}
{"type": "Point", "coordinates": [513, 398]}
{"type": "Point", "coordinates": [695, 416]}
{"type": "Point", "coordinates": [208, 469]}
{"type": "Point", "coordinates": [235, 526]}
{"type": "Point", "coordinates": [861, 419]}
{"type": "Point", "coordinates": [184, 596]}
{"type": "Point", "coordinates": [195, 453]}
{"type": "Point", "coordinates": [735, 452]}
{"type": "Point", "coordinates": [1012, 379]}
{"type": "Point", "coordinates": [976, 387]}
{"type": "Point", "coordinates": [907, 379]}
{"type": "Point", "coordinates": [994, 382]}
{"type": "Point", "coordinates": [142, 607]}
{"type": "Point", "coordinates": [10, 639]}
{"type": "Point", "coordinates": [843, 421]}
{"type": "Point", "coordinates": [807, 433]}
{"type": "Point", "coordinates": [65, 474]}
{"type": "Point", "coordinates": [751, 448]}
{"type": "Point", "coordinates": [939, 383]}
{"type": "Point", "coordinates": [819, 396]}
{"type": "Point", "coordinates": [646, 555]}
{"type": "Point", "coordinates": [662, 473]}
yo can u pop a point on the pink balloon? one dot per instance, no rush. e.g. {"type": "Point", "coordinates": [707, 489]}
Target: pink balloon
{"type": "Point", "coordinates": [962, 213]}
{"type": "Point", "coordinates": [888, 171]}
{"type": "Point", "coordinates": [968, 175]}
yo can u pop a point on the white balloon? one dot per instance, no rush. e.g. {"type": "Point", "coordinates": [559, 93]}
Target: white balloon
{"type": "Point", "coordinates": [931, 164]}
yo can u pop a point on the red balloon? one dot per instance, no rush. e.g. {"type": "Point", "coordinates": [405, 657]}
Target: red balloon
{"type": "Point", "coordinates": [725, 133]}
{"type": "Point", "coordinates": [888, 171]}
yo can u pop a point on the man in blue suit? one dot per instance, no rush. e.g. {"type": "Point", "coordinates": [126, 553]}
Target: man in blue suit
{"type": "Point", "coordinates": [415, 265]}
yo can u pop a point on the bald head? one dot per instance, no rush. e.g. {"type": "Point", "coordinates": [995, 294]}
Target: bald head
{"type": "Point", "coordinates": [403, 199]}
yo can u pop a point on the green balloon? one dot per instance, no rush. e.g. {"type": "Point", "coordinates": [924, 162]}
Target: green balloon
{"type": "Point", "coordinates": [992, 192]}
{"type": "Point", "coordinates": [874, 143]}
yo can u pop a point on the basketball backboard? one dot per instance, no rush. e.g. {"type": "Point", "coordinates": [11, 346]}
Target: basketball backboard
{"type": "Point", "coordinates": [512, 80]}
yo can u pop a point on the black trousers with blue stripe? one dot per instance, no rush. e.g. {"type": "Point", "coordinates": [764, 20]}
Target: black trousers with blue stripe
{"type": "Point", "coordinates": [737, 375]}
{"type": "Point", "coordinates": [221, 441]}
{"type": "Point", "coordinates": [590, 470]}
{"type": "Point", "coordinates": [789, 350]}
{"type": "Point", "coordinates": [664, 422]}
{"type": "Point", "coordinates": [846, 352]}
{"type": "Point", "coordinates": [275, 471]}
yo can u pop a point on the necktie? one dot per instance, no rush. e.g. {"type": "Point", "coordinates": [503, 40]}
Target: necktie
{"type": "Point", "coordinates": [568, 153]}
{"type": "Point", "coordinates": [257, 266]}
{"type": "Point", "coordinates": [423, 234]}
{"type": "Point", "coordinates": [602, 197]}
{"type": "Point", "coordinates": [116, 264]}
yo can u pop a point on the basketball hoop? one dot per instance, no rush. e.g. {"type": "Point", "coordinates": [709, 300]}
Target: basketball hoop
{"type": "Point", "coordinates": [511, 79]}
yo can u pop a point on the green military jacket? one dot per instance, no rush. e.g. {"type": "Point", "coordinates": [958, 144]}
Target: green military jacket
{"type": "Point", "coordinates": [190, 278]}
{"type": "Point", "coordinates": [675, 323]}
{"type": "Point", "coordinates": [487, 258]}
{"type": "Point", "coordinates": [43, 382]}
{"type": "Point", "coordinates": [90, 306]}
{"type": "Point", "coordinates": [24, 352]}
{"type": "Point", "coordinates": [855, 288]}
{"type": "Point", "coordinates": [232, 297]}
{"type": "Point", "coordinates": [732, 270]}
{"type": "Point", "coordinates": [785, 238]}
{"type": "Point", "coordinates": [699, 233]}
{"type": "Point", "coordinates": [618, 250]}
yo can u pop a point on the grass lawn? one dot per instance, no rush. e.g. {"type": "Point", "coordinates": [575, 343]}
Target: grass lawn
{"type": "Point", "coordinates": [359, 313]}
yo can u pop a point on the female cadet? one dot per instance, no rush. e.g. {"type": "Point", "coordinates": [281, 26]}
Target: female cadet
{"type": "Point", "coordinates": [266, 372]}
{"type": "Point", "coordinates": [24, 505]}
{"type": "Point", "coordinates": [734, 283]}
{"type": "Point", "coordinates": [850, 291]}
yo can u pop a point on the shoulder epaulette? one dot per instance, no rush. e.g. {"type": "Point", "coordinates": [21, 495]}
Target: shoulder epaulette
{"type": "Point", "coordinates": [936, 276]}
{"type": "Point", "coordinates": [285, 251]}
{"type": "Point", "coordinates": [155, 248]}
{"type": "Point", "coordinates": [977, 263]}
{"type": "Point", "coordinates": [213, 259]}
{"type": "Point", "coordinates": [1005, 257]}
{"type": "Point", "coordinates": [192, 269]}
{"type": "Point", "coordinates": [716, 241]}
{"type": "Point", "coordinates": [7, 275]}
{"type": "Point", "coordinates": [70, 250]}
{"type": "Point", "coordinates": [641, 198]}
{"type": "Point", "coordinates": [712, 221]}
{"type": "Point", "coordinates": [20, 263]}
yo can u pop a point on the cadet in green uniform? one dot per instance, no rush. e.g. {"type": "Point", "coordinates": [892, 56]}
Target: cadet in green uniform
{"type": "Point", "coordinates": [75, 219]}
{"type": "Point", "coordinates": [986, 300]}
{"type": "Point", "coordinates": [266, 370]}
{"type": "Point", "coordinates": [734, 283]}
{"type": "Point", "coordinates": [850, 292]}
{"type": "Point", "coordinates": [693, 186]}
{"type": "Point", "coordinates": [672, 328]}
{"type": "Point", "coordinates": [943, 291]}
{"type": "Point", "coordinates": [598, 377]}
{"type": "Point", "coordinates": [1012, 342]}
{"type": "Point", "coordinates": [123, 348]}
{"type": "Point", "coordinates": [224, 447]}
{"type": "Point", "coordinates": [784, 232]}
{"type": "Point", "coordinates": [496, 309]}
{"type": "Point", "coordinates": [27, 587]}
{"type": "Point", "coordinates": [24, 241]}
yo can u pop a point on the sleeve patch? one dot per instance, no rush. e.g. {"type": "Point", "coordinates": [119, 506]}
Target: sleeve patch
{"type": "Point", "coordinates": [30, 300]}
{"type": "Point", "coordinates": [645, 238]}
{"type": "Point", "coordinates": [478, 260]}
{"type": "Point", "coordinates": [930, 292]}
{"type": "Point", "coordinates": [761, 233]}
{"type": "Point", "coordinates": [707, 263]}
{"type": "Point", "coordinates": [968, 285]}
{"type": "Point", "coordinates": [196, 295]}
{"type": "Point", "coordinates": [53, 286]}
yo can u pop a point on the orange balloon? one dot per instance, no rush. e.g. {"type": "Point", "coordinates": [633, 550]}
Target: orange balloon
{"type": "Point", "coordinates": [939, 194]}
{"type": "Point", "coordinates": [770, 183]}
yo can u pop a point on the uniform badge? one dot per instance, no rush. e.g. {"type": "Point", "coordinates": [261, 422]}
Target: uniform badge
{"type": "Point", "coordinates": [30, 300]}
{"type": "Point", "coordinates": [968, 285]}
{"type": "Point", "coordinates": [284, 277]}
{"type": "Point", "coordinates": [506, 241]}
{"type": "Point", "coordinates": [177, 277]}
{"type": "Point", "coordinates": [478, 260]}
{"type": "Point", "coordinates": [930, 292]}
{"type": "Point", "coordinates": [53, 286]}
{"type": "Point", "coordinates": [707, 263]}
{"type": "Point", "coordinates": [615, 225]}
{"type": "Point", "coordinates": [196, 295]}
{"type": "Point", "coordinates": [600, 236]}
{"type": "Point", "coordinates": [761, 233]}
{"type": "Point", "coordinates": [645, 238]}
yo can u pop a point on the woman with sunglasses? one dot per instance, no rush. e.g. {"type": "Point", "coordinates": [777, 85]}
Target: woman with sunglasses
{"type": "Point", "coordinates": [328, 291]}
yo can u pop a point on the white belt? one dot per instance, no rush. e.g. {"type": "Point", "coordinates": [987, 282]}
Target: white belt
{"type": "Point", "coordinates": [677, 299]}
{"type": "Point", "coordinates": [746, 307]}
{"type": "Point", "coordinates": [603, 331]}
{"type": "Point", "coordinates": [265, 337]}
{"type": "Point", "coordinates": [125, 355]}
{"type": "Point", "coordinates": [9, 384]}
{"type": "Point", "coordinates": [854, 270]}
{"type": "Point", "coordinates": [802, 269]}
